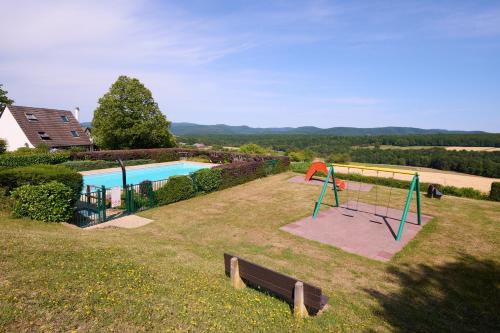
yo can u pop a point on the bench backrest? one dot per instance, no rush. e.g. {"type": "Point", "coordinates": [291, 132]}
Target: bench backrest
{"type": "Point", "coordinates": [276, 283]}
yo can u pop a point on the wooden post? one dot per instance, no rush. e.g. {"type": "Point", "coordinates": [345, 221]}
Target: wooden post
{"type": "Point", "coordinates": [236, 280]}
{"type": "Point", "coordinates": [299, 309]}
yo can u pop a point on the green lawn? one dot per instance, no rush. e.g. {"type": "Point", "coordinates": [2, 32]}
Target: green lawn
{"type": "Point", "coordinates": [169, 275]}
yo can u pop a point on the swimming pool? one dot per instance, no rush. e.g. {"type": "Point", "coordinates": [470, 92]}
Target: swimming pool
{"type": "Point", "coordinates": [135, 176]}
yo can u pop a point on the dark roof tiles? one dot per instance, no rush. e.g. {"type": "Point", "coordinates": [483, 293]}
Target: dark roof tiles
{"type": "Point", "coordinates": [50, 122]}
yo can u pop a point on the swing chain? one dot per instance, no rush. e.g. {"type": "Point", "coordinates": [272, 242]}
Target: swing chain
{"type": "Point", "coordinates": [389, 201]}
{"type": "Point", "coordinates": [359, 190]}
{"type": "Point", "coordinates": [376, 194]}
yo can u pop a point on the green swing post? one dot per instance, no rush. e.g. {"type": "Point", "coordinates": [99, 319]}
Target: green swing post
{"type": "Point", "coordinates": [335, 191]}
{"type": "Point", "coordinates": [322, 194]}
{"type": "Point", "coordinates": [417, 184]}
{"type": "Point", "coordinates": [407, 207]}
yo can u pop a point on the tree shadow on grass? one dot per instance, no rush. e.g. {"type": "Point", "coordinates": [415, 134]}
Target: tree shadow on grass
{"type": "Point", "coordinates": [462, 296]}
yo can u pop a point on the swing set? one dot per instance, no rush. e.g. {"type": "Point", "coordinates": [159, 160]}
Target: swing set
{"type": "Point", "coordinates": [414, 186]}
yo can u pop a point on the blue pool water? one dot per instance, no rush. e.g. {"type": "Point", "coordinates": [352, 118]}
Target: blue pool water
{"type": "Point", "coordinates": [135, 176]}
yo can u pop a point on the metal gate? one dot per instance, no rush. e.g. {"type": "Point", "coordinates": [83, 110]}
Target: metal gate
{"type": "Point", "coordinates": [90, 207]}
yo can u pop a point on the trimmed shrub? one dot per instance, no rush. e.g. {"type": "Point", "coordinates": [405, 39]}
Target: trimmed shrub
{"type": "Point", "coordinates": [40, 174]}
{"type": "Point", "coordinates": [3, 146]}
{"type": "Point", "coordinates": [238, 173]}
{"type": "Point", "coordinates": [207, 180]}
{"type": "Point", "coordinates": [144, 187]}
{"type": "Point", "coordinates": [241, 172]}
{"type": "Point", "coordinates": [6, 202]}
{"type": "Point", "coordinates": [51, 202]}
{"type": "Point", "coordinates": [13, 160]}
{"type": "Point", "coordinates": [86, 165]}
{"type": "Point", "coordinates": [176, 189]}
{"type": "Point", "coordinates": [495, 191]}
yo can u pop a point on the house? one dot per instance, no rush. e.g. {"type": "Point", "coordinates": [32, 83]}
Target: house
{"type": "Point", "coordinates": [23, 126]}
{"type": "Point", "coordinates": [88, 131]}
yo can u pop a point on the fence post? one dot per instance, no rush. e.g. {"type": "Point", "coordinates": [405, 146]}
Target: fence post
{"type": "Point", "coordinates": [98, 197]}
{"type": "Point", "coordinates": [152, 202]}
{"type": "Point", "coordinates": [103, 203]}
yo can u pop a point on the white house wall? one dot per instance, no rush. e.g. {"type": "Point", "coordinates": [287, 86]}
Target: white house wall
{"type": "Point", "coordinates": [12, 132]}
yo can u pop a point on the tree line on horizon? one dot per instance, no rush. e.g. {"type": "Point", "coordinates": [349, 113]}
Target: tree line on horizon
{"type": "Point", "coordinates": [324, 143]}
{"type": "Point", "coordinates": [366, 149]}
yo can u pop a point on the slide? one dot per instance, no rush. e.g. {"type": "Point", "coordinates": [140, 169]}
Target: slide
{"type": "Point", "coordinates": [321, 166]}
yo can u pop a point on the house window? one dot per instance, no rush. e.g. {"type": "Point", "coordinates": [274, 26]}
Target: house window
{"type": "Point", "coordinates": [75, 134]}
{"type": "Point", "coordinates": [44, 136]}
{"type": "Point", "coordinates": [65, 119]}
{"type": "Point", "coordinates": [31, 117]}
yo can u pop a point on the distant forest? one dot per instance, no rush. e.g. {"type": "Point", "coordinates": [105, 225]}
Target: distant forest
{"type": "Point", "coordinates": [355, 148]}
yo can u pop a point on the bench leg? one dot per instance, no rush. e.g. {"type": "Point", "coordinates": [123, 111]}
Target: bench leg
{"type": "Point", "coordinates": [236, 280]}
{"type": "Point", "coordinates": [299, 309]}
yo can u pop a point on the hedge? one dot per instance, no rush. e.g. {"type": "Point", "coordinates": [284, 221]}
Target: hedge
{"type": "Point", "coordinates": [50, 202]}
{"type": "Point", "coordinates": [6, 202]}
{"type": "Point", "coordinates": [3, 146]}
{"type": "Point", "coordinates": [173, 154]}
{"type": "Point", "coordinates": [176, 189]}
{"type": "Point", "coordinates": [495, 191]}
{"type": "Point", "coordinates": [40, 174]}
{"type": "Point", "coordinates": [86, 165]}
{"type": "Point", "coordinates": [220, 177]}
{"type": "Point", "coordinates": [242, 172]}
{"type": "Point", "coordinates": [466, 192]}
{"type": "Point", "coordinates": [13, 160]}
{"type": "Point", "coordinates": [207, 180]}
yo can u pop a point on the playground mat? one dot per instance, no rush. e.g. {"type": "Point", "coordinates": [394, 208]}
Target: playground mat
{"type": "Point", "coordinates": [351, 185]}
{"type": "Point", "coordinates": [360, 231]}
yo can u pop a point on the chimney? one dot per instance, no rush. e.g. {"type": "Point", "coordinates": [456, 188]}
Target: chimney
{"type": "Point", "coordinates": [76, 113]}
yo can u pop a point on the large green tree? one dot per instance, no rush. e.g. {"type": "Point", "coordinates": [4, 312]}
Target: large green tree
{"type": "Point", "coordinates": [128, 117]}
{"type": "Point", "coordinates": [4, 100]}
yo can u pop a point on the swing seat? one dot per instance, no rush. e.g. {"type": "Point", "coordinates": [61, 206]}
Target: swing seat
{"type": "Point", "coordinates": [341, 185]}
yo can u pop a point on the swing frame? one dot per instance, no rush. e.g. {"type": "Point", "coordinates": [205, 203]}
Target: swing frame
{"type": "Point", "coordinates": [414, 186]}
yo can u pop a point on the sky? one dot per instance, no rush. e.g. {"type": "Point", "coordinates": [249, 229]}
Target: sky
{"type": "Point", "coordinates": [428, 64]}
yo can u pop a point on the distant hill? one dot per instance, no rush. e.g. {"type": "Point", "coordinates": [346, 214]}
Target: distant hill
{"type": "Point", "coordinates": [195, 129]}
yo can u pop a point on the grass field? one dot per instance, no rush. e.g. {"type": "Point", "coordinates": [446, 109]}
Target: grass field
{"type": "Point", "coordinates": [169, 275]}
{"type": "Point", "coordinates": [484, 149]}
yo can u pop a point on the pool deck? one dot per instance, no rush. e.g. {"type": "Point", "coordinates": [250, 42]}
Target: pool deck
{"type": "Point", "coordinates": [142, 166]}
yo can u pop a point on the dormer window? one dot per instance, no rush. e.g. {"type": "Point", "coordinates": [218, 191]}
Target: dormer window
{"type": "Point", "coordinates": [75, 134]}
{"type": "Point", "coordinates": [31, 117]}
{"type": "Point", "coordinates": [64, 119]}
{"type": "Point", "coordinates": [44, 136]}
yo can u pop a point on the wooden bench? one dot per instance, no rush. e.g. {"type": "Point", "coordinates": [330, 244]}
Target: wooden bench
{"type": "Point", "coordinates": [306, 299]}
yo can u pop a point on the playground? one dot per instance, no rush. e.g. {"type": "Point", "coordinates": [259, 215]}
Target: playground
{"type": "Point", "coordinates": [377, 230]}
{"type": "Point", "coordinates": [169, 274]}
{"type": "Point", "coordinates": [359, 231]}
